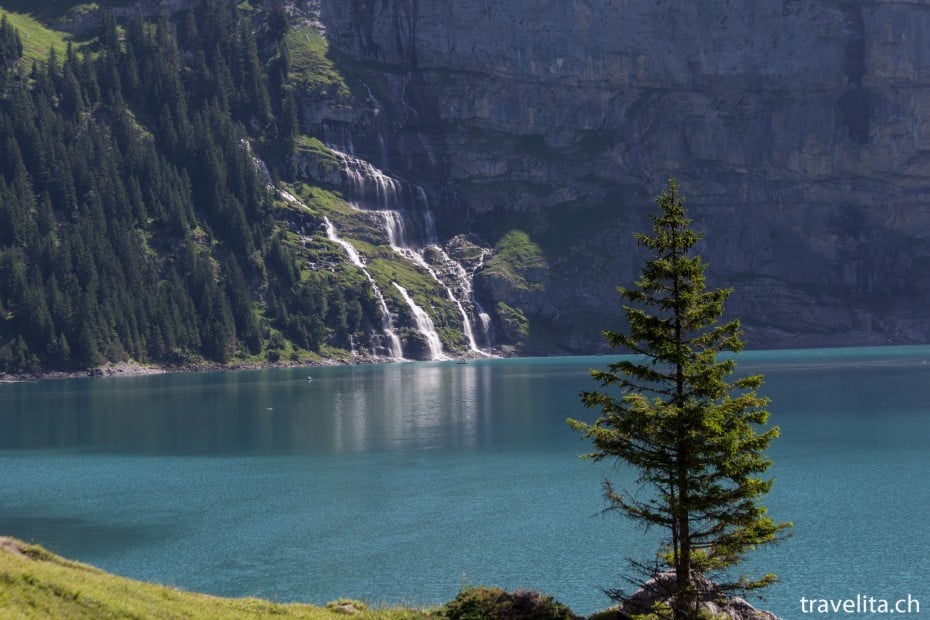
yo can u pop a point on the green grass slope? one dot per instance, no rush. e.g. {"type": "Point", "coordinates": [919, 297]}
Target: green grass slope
{"type": "Point", "coordinates": [35, 583]}
{"type": "Point", "coordinates": [37, 38]}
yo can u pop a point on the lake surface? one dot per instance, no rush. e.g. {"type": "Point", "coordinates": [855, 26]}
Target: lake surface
{"type": "Point", "coordinates": [399, 483]}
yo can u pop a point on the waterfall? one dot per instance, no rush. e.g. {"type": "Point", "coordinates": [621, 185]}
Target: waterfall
{"type": "Point", "coordinates": [289, 197]}
{"type": "Point", "coordinates": [393, 224]}
{"type": "Point", "coordinates": [424, 325]}
{"type": "Point", "coordinates": [377, 107]}
{"type": "Point", "coordinates": [260, 166]}
{"type": "Point", "coordinates": [466, 291]}
{"type": "Point", "coordinates": [410, 227]}
{"type": "Point", "coordinates": [483, 316]}
{"type": "Point", "coordinates": [430, 155]}
{"type": "Point", "coordinates": [391, 196]}
{"type": "Point", "coordinates": [339, 137]}
{"type": "Point", "coordinates": [395, 350]}
{"type": "Point", "coordinates": [401, 245]}
{"type": "Point", "coordinates": [418, 257]}
{"type": "Point", "coordinates": [393, 227]}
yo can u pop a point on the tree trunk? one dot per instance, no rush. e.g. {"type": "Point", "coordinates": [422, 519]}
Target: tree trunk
{"type": "Point", "coordinates": [683, 594]}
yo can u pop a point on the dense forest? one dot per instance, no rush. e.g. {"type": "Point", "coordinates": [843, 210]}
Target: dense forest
{"type": "Point", "coordinates": [135, 219]}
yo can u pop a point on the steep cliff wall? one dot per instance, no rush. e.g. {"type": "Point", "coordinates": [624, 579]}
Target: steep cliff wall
{"type": "Point", "coordinates": [798, 129]}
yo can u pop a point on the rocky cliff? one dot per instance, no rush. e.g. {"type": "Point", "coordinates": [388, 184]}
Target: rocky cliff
{"type": "Point", "coordinates": [798, 130]}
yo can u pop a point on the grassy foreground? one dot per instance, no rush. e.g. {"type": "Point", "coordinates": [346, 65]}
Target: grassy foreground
{"type": "Point", "coordinates": [35, 583]}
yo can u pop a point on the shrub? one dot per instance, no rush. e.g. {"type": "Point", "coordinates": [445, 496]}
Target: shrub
{"type": "Point", "coordinates": [484, 603]}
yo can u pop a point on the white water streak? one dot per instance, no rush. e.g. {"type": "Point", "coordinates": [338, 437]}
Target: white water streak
{"type": "Point", "coordinates": [424, 324]}
{"type": "Point", "coordinates": [418, 257]}
{"type": "Point", "coordinates": [395, 350]}
{"type": "Point", "coordinates": [367, 181]}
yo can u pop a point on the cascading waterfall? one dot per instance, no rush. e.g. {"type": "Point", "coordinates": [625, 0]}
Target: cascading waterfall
{"type": "Point", "coordinates": [424, 324]}
{"type": "Point", "coordinates": [483, 316]}
{"type": "Point", "coordinates": [339, 137]}
{"type": "Point", "coordinates": [376, 109]}
{"type": "Point", "coordinates": [406, 216]}
{"type": "Point", "coordinates": [394, 224]}
{"type": "Point", "coordinates": [466, 291]}
{"type": "Point", "coordinates": [289, 197]}
{"type": "Point", "coordinates": [395, 350]}
{"type": "Point", "coordinates": [394, 347]}
{"type": "Point", "coordinates": [260, 166]}
{"type": "Point", "coordinates": [416, 256]}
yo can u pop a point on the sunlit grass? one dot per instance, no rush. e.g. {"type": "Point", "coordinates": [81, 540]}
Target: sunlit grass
{"type": "Point", "coordinates": [37, 38]}
{"type": "Point", "coordinates": [35, 583]}
{"type": "Point", "coordinates": [311, 66]}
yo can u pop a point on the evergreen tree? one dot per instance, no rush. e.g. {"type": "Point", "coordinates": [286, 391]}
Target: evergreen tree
{"type": "Point", "coordinates": [278, 23]}
{"type": "Point", "coordinates": [11, 50]}
{"type": "Point", "coordinates": [690, 431]}
{"type": "Point", "coordinates": [109, 36]}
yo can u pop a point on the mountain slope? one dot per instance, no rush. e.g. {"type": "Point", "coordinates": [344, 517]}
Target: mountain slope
{"type": "Point", "coordinates": [262, 184]}
{"type": "Point", "coordinates": [145, 214]}
{"type": "Point", "coordinates": [136, 221]}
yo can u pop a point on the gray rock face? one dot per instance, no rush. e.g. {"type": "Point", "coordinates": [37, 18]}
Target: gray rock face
{"type": "Point", "coordinates": [84, 18]}
{"type": "Point", "coordinates": [798, 130]}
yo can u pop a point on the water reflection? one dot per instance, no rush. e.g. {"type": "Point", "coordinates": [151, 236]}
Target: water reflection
{"type": "Point", "coordinates": [407, 407]}
{"type": "Point", "coordinates": [399, 407]}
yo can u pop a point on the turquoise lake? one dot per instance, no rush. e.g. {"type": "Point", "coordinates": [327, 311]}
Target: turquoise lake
{"type": "Point", "coordinates": [398, 483]}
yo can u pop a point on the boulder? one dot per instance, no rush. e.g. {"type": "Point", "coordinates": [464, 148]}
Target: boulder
{"type": "Point", "coordinates": [660, 589]}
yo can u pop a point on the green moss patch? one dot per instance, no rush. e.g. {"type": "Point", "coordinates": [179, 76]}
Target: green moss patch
{"type": "Point", "coordinates": [520, 261]}
{"type": "Point", "coordinates": [311, 68]}
{"type": "Point", "coordinates": [514, 323]}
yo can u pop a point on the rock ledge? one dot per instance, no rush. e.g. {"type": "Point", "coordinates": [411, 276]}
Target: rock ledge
{"type": "Point", "coordinates": [718, 604]}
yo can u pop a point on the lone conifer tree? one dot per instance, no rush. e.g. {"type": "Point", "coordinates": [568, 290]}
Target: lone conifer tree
{"type": "Point", "coordinates": [689, 431]}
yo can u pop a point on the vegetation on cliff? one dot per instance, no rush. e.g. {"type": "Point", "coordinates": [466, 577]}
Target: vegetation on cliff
{"type": "Point", "coordinates": [519, 261]}
{"type": "Point", "coordinates": [311, 69]}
